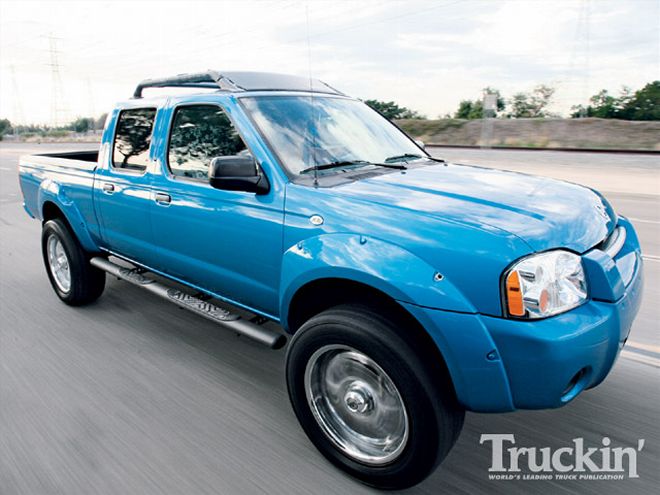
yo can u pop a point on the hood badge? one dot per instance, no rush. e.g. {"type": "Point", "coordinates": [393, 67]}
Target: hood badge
{"type": "Point", "coordinates": [316, 220]}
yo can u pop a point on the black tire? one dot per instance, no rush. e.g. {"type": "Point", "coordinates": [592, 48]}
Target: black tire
{"type": "Point", "coordinates": [434, 417]}
{"type": "Point", "coordinates": [86, 282]}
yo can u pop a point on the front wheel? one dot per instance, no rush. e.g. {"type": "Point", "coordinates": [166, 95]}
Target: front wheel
{"type": "Point", "coordinates": [74, 279]}
{"type": "Point", "coordinates": [367, 401]}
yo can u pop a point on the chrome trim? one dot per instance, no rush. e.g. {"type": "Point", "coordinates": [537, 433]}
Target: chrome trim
{"type": "Point", "coordinates": [58, 262]}
{"type": "Point", "coordinates": [613, 244]}
{"type": "Point", "coordinates": [221, 316]}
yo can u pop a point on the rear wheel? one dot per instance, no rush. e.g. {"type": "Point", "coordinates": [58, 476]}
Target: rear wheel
{"type": "Point", "coordinates": [74, 280]}
{"type": "Point", "coordinates": [367, 401]}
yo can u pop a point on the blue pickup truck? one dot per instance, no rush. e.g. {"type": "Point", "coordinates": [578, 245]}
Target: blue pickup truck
{"type": "Point", "coordinates": [411, 289]}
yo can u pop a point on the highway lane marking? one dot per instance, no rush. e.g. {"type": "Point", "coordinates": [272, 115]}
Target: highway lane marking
{"type": "Point", "coordinates": [651, 257]}
{"type": "Point", "coordinates": [644, 347]}
{"type": "Point", "coordinates": [643, 220]}
{"type": "Point", "coordinates": [6, 169]}
{"type": "Point", "coordinates": [640, 358]}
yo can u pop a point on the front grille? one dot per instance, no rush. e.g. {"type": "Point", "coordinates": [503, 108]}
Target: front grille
{"type": "Point", "coordinates": [614, 242]}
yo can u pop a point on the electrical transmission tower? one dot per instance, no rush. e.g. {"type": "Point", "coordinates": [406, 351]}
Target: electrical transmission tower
{"type": "Point", "coordinates": [58, 111]}
{"type": "Point", "coordinates": [584, 30]}
{"type": "Point", "coordinates": [18, 108]}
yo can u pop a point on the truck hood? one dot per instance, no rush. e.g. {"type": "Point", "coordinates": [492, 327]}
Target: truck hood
{"type": "Point", "coordinates": [545, 213]}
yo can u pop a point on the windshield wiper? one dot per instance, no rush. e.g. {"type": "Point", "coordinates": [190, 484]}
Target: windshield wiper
{"type": "Point", "coordinates": [346, 163]}
{"type": "Point", "coordinates": [401, 157]}
{"type": "Point", "coordinates": [337, 164]}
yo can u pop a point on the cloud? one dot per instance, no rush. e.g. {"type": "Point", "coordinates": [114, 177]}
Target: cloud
{"type": "Point", "coordinates": [426, 55]}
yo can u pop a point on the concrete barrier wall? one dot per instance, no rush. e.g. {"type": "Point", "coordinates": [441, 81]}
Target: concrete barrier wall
{"type": "Point", "coordinates": [538, 133]}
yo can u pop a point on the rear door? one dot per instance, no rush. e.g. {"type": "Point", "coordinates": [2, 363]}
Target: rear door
{"type": "Point", "coordinates": [123, 191]}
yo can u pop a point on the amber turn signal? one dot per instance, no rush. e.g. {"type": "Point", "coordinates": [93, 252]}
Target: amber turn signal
{"type": "Point", "coordinates": [514, 295]}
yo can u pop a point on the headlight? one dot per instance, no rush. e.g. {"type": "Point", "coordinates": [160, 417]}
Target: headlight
{"type": "Point", "coordinates": [545, 284]}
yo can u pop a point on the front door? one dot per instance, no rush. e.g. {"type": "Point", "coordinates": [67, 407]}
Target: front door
{"type": "Point", "coordinates": [227, 242]}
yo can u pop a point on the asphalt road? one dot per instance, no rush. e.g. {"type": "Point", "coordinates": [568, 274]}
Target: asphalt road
{"type": "Point", "coordinates": [134, 396]}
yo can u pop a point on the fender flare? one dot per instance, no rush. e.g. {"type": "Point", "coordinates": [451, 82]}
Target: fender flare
{"type": "Point", "coordinates": [441, 309]}
{"type": "Point", "coordinates": [380, 264]}
{"type": "Point", "coordinates": [50, 191]}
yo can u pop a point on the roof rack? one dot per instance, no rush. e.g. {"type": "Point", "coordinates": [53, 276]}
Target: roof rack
{"type": "Point", "coordinates": [208, 79]}
{"type": "Point", "coordinates": [238, 81]}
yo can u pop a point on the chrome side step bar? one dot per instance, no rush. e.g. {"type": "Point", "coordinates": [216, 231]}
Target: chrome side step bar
{"type": "Point", "coordinates": [203, 308]}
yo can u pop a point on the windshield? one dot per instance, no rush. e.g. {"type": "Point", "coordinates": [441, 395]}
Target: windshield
{"type": "Point", "coordinates": [308, 133]}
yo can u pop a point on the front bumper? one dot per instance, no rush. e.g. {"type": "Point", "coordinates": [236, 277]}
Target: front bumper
{"type": "Point", "coordinates": [542, 358]}
{"type": "Point", "coordinates": [499, 364]}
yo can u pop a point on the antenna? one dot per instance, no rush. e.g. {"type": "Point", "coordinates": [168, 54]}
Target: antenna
{"type": "Point", "coordinates": [311, 96]}
{"type": "Point", "coordinates": [58, 110]}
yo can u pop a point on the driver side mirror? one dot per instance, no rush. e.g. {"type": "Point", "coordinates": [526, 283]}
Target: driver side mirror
{"type": "Point", "coordinates": [237, 173]}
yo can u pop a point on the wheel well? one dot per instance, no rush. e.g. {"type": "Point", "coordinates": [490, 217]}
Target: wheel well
{"type": "Point", "coordinates": [319, 295]}
{"type": "Point", "coordinates": [51, 211]}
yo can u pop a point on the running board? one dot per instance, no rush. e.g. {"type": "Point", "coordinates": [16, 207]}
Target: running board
{"type": "Point", "coordinates": [198, 306]}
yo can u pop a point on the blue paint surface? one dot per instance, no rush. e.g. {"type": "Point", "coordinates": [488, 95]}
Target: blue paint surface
{"type": "Point", "coordinates": [392, 230]}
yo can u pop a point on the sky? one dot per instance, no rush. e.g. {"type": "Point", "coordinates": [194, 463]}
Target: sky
{"type": "Point", "coordinates": [425, 55]}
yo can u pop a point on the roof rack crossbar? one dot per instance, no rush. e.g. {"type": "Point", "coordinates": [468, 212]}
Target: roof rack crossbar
{"type": "Point", "coordinates": [208, 79]}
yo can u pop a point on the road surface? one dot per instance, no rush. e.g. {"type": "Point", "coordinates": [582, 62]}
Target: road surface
{"type": "Point", "coordinates": [134, 396]}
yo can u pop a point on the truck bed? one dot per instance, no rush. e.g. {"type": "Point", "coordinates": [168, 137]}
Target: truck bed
{"type": "Point", "coordinates": [67, 159]}
{"type": "Point", "coordinates": [72, 172]}
{"type": "Point", "coordinates": [85, 156]}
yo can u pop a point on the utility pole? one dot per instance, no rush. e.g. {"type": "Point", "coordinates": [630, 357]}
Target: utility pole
{"type": "Point", "coordinates": [58, 109]}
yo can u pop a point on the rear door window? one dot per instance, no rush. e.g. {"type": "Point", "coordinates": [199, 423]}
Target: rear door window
{"type": "Point", "coordinates": [133, 138]}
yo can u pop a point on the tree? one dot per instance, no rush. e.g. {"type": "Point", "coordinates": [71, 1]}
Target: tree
{"type": "Point", "coordinates": [5, 127]}
{"type": "Point", "coordinates": [644, 104]}
{"type": "Point", "coordinates": [82, 124]}
{"type": "Point", "coordinates": [531, 105]}
{"type": "Point", "coordinates": [603, 105]}
{"type": "Point", "coordinates": [392, 111]}
{"type": "Point", "coordinates": [464, 109]}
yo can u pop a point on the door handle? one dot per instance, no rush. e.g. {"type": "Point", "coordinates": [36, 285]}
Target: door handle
{"type": "Point", "coordinates": [108, 187]}
{"type": "Point", "coordinates": [163, 198]}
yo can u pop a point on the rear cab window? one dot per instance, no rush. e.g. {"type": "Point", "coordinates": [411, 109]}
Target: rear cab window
{"type": "Point", "coordinates": [132, 139]}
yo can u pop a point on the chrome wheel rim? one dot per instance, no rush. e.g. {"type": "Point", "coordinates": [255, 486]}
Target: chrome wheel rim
{"type": "Point", "coordinates": [58, 263]}
{"type": "Point", "coordinates": [356, 404]}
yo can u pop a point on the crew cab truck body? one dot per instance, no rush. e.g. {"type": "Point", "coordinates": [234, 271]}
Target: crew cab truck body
{"type": "Point", "coordinates": [414, 289]}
